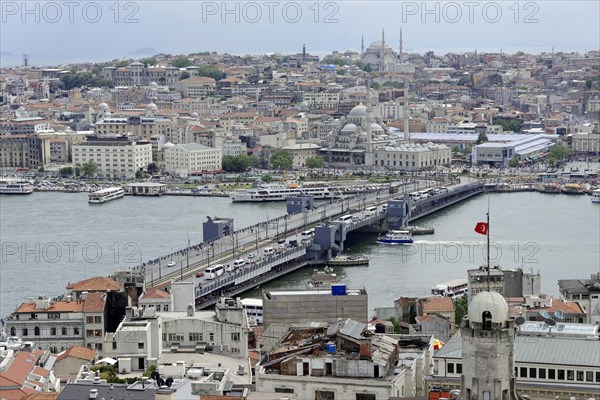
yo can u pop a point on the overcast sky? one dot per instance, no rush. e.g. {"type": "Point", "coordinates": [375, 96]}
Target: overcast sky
{"type": "Point", "coordinates": [71, 31]}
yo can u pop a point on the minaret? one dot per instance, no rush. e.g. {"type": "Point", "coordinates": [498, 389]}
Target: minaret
{"type": "Point", "coordinates": [405, 113]}
{"type": "Point", "coordinates": [362, 45]}
{"type": "Point", "coordinates": [400, 58]}
{"type": "Point", "coordinates": [382, 56]}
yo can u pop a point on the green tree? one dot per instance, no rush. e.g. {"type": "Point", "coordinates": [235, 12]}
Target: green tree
{"type": "Point", "coordinates": [184, 75]}
{"type": "Point", "coordinates": [77, 171]}
{"type": "Point", "coordinates": [396, 323]}
{"type": "Point", "coordinates": [152, 168]}
{"type": "Point", "coordinates": [139, 174]}
{"type": "Point", "coordinates": [149, 61]}
{"type": "Point", "coordinates": [78, 79]}
{"type": "Point", "coordinates": [239, 163]}
{"type": "Point", "coordinates": [89, 169]}
{"type": "Point", "coordinates": [211, 71]}
{"type": "Point", "coordinates": [41, 168]}
{"type": "Point", "coordinates": [509, 125]}
{"type": "Point", "coordinates": [461, 308]}
{"type": "Point", "coordinates": [514, 162]}
{"type": "Point", "coordinates": [315, 162]}
{"type": "Point", "coordinates": [558, 153]}
{"type": "Point", "coordinates": [482, 138]}
{"type": "Point", "coordinates": [519, 54]}
{"type": "Point", "coordinates": [266, 178]}
{"type": "Point", "coordinates": [282, 159]}
{"type": "Point", "coordinates": [464, 80]}
{"type": "Point", "coordinates": [181, 62]}
{"type": "Point", "coordinates": [66, 171]}
{"type": "Point", "coordinates": [122, 64]}
{"type": "Point", "coordinates": [375, 85]}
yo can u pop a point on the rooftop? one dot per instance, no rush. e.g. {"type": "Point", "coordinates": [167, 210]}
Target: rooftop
{"type": "Point", "coordinates": [95, 284]}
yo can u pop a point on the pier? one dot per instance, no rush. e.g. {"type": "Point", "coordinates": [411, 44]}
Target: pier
{"type": "Point", "coordinates": [294, 250]}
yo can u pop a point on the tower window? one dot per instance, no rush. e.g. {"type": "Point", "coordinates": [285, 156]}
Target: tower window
{"type": "Point", "coordinates": [486, 320]}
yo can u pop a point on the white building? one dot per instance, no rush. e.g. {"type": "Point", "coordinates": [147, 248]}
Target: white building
{"type": "Point", "coordinates": [301, 151]}
{"type": "Point", "coordinates": [191, 157]}
{"type": "Point", "coordinates": [116, 156]}
{"type": "Point", "coordinates": [197, 87]}
{"type": "Point", "coordinates": [413, 157]}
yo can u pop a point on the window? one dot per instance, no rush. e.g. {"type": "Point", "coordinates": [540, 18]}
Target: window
{"type": "Point", "coordinates": [25, 332]}
{"type": "Point", "coordinates": [195, 337]}
{"type": "Point", "coordinates": [53, 315]}
{"type": "Point", "coordinates": [283, 390]}
{"type": "Point", "coordinates": [580, 376]}
{"type": "Point", "coordinates": [75, 331]}
{"type": "Point", "coordinates": [551, 374]}
{"type": "Point", "coordinates": [561, 374]}
{"type": "Point", "coordinates": [542, 373]}
{"type": "Point", "coordinates": [36, 331]}
{"type": "Point", "coordinates": [89, 320]}
{"type": "Point", "coordinates": [324, 395]}
{"type": "Point", "coordinates": [64, 331]}
{"type": "Point", "coordinates": [114, 345]}
{"type": "Point", "coordinates": [211, 337]}
{"type": "Point", "coordinates": [589, 376]}
{"type": "Point", "coordinates": [450, 368]}
{"type": "Point", "coordinates": [365, 396]}
{"type": "Point", "coordinates": [235, 336]}
{"type": "Point", "coordinates": [570, 375]}
{"type": "Point", "coordinates": [141, 345]}
{"type": "Point", "coordinates": [532, 372]}
{"type": "Point", "coordinates": [53, 331]}
{"type": "Point", "coordinates": [459, 368]}
{"type": "Point", "coordinates": [523, 373]}
{"type": "Point", "coordinates": [597, 376]}
{"type": "Point", "coordinates": [98, 320]}
{"type": "Point", "coordinates": [98, 346]}
{"type": "Point", "coordinates": [89, 332]}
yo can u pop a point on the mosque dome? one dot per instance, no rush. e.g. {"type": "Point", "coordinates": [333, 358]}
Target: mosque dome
{"type": "Point", "coordinates": [350, 128]}
{"type": "Point", "coordinates": [153, 85]}
{"type": "Point", "coordinates": [490, 301]}
{"type": "Point", "coordinates": [358, 111]}
{"type": "Point", "coordinates": [194, 115]}
{"type": "Point", "coordinates": [103, 106]}
{"type": "Point", "coordinates": [151, 107]}
{"type": "Point", "coordinates": [377, 45]}
{"type": "Point", "coordinates": [168, 145]}
{"type": "Point", "coordinates": [376, 127]}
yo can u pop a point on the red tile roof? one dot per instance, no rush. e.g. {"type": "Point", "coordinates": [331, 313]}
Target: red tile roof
{"type": "Point", "coordinates": [436, 304]}
{"type": "Point", "coordinates": [18, 370]}
{"type": "Point", "coordinates": [57, 306]}
{"type": "Point", "coordinates": [95, 302]}
{"type": "Point", "coordinates": [95, 284]}
{"type": "Point", "coordinates": [78, 352]}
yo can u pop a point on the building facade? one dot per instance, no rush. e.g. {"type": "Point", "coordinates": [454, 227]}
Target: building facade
{"type": "Point", "coordinates": [191, 157]}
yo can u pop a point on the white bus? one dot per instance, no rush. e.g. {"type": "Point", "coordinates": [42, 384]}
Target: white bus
{"type": "Point", "coordinates": [306, 235]}
{"type": "Point", "coordinates": [370, 211]}
{"type": "Point", "coordinates": [345, 219]}
{"type": "Point", "coordinates": [213, 272]}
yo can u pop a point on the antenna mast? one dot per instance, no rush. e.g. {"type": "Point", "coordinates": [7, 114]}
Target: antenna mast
{"type": "Point", "coordinates": [488, 244]}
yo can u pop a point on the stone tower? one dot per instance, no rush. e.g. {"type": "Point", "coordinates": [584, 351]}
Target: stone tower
{"type": "Point", "coordinates": [488, 341]}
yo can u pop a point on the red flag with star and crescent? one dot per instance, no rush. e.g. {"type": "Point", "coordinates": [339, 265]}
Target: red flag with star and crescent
{"type": "Point", "coordinates": [481, 228]}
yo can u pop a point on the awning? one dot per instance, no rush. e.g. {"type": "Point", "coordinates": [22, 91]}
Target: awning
{"type": "Point", "coordinates": [106, 361]}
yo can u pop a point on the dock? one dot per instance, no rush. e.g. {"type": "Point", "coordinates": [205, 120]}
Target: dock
{"type": "Point", "coordinates": [346, 260]}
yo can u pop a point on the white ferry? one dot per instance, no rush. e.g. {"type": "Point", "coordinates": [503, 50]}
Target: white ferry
{"type": "Point", "coordinates": [596, 196]}
{"type": "Point", "coordinates": [104, 195]}
{"type": "Point", "coordinates": [396, 237]}
{"type": "Point", "coordinates": [279, 192]}
{"type": "Point", "coordinates": [12, 186]}
{"type": "Point", "coordinates": [454, 288]}
{"type": "Point", "coordinates": [254, 310]}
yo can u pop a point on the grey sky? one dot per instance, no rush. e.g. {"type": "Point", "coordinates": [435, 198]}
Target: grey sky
{"type": "Point", "coordinates": [276, 26]}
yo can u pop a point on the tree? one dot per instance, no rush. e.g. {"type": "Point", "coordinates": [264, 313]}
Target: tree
{"type": "Point", "coordinates": [211, 71]}
{"type": "Point", "coordinates": [461, 308]}
{"type": "Point", "coordinates": [41, 168]}
{"type": "Point", "coordinates": [514, 162]}
{"type": "Point", "coordinates": [315, 162]}
{"type": "Point", "coordinates": [464, 80]}
{"type": "Point", "coordinates": [77, 171]}
{"type": "Point", "coordinates": [282, 159]}
{"type": "Point", "coordinates": [149, 61]}
{"type": "Point", "coordinates": [78, 79]}
{"type": "Point", "coordinates": [66, 171]}
{"type": "Point", "coordinates": [89, 169]}
{"type": "Point", "coordinates": [184, 75]}
{"type": "Point", "coordinates": [181, 62]}
{"type": "Point", "coordinates": [558, 153]}
{"type": "Point", "coordinates": [519, 53]}
{"type": "Point", "coordinates": [152, 168]}
{"type": "Point", "coordinates": [139, 174]}
{"type": "Point", "coordinates": [266, 178]}
{"type": "Point", "coordinates": [396, 323]}
{"type": "Point", "coordinates": [239, 163]}
{"type": "Point", "coordinates": [375, 85]}
{"type": "Point", "coordinates": [122, 64]}
{"type": "Point", "coordinates": [482, 138]}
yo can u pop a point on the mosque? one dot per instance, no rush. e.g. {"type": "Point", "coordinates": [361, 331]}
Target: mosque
{"type": "Point", "coordinates": [380, 56]}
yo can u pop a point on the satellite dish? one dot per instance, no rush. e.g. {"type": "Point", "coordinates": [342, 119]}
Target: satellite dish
{"type": "Point", "coordinates": [155, 375]}
{"type": "Point", "coordinates": [550, 322]}
{"type": "Point", "coordinates": [160, 382]}
{"type": "Point", "coordinates": [520, 321]}
{"type": "Point", "coordinates": [169, 382]}
{"type": "Point", "coordinates": [544, 314]}
{"type": "Point", "coordinates": [559, 315]}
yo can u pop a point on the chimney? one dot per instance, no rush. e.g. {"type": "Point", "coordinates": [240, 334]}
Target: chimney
{"type": "Point", "coordinates": [190, 310]}
{"type": "Point", "coordinates": [304, 52]}
{"type": "Point", "coordinates": [93, 393]}
{"type": "Point", "coordinates": [365, 349]}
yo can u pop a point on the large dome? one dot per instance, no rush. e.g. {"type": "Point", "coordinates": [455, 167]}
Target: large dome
{"type": "Point", "coordinates": [358, 111]}
{"type": "Point", "coordinates": [350, 128]}
{"type": "Point", "coordinates": [378, 44]}
{"type": "Point", "coordinates": [488, 301]}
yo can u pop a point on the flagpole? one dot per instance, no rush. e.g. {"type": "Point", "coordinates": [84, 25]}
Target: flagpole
{"type": "Point", "coordinates": [488, 244]}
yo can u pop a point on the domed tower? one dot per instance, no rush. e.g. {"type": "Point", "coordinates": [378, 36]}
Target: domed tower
{"type": "Point", "coordinates": [488, 341]}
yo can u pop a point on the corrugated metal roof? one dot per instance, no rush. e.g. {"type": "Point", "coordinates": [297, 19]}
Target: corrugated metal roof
{"type": "Point", "coordinates": [352, 328]}
{"type": "Point", "coordinates": [540, 350]}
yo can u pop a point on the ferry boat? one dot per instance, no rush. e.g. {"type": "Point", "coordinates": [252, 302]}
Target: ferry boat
{"type": "Point", "coordinates": [344, 260]}
{"type": "Point", "coordinates": [279, 192]}
{"type": "Point", "coordinates": [454, 288]}
{"type": "Point", "coordinates": [549, 188]}
{"type": "Point", "coordinates": [572, 188]}
{"type": "Point", "coordinates": [396, 237]}
{"type": "Point", "coordinates": [596, 196]}
{"type": "Point", "coordinates": [104, 195]}
{"type": "Point", "coordinates": [10, 186]}
{"type": "Point", "coordinates": [253, 308]}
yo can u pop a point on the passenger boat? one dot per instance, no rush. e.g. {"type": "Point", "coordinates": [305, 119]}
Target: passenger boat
{"type": "Point", "coordinates": [454, 288]}
{"type": "Point", "coordinates": [322, 279]}
{"type": "Point", "coordinates": [396, 237]}
{"type": "Point", "coordinates": [104, 195]}
{"type": "Point", "coordinates": [279, 192]}
{"type": "Point", "coordinates": [15, 186]}
{"type": "Point", "coordinates": [254, 310]}
{"type": "Point", "coordinates": [344, 260]}
{"type": "Point", "coordinates": [549, 188]}
{"type": "Point", "coordinates": [596, 196]}
{"type": "Point", "coordinates": [572, 188]}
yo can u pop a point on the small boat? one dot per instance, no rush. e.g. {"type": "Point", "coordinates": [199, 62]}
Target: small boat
{"type": "Point", "coordinates": [396, 237]}
{"type": "Point", "coordinates": [596, 196]}
{"type": "Point", "coordinates": [171, 263]}
{"type": "Point", "coordinates": [549, 188]}
{"type": "Point", "coordinates": [105, 195]}
{"type": "Point", "coordinates": [344, 260]}
{"type": "Point", "coordinates": [15, 186]}
{"type": "Point", "coordinates": [322, 279]}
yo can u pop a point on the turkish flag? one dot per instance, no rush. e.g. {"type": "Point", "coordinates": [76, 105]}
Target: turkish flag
{"type": "Point", "coordinates": [481, 228]}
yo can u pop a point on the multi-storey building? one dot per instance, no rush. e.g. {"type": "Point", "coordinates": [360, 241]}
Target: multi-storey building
{"type": "Point", "coordinates": [116, 156]}
{"type": "Point", "coordinates": [20, 151]}
{"type": "Point", "coordinates": [197, 87]}
{"type": "Point", "coordinates": [191, 157]}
